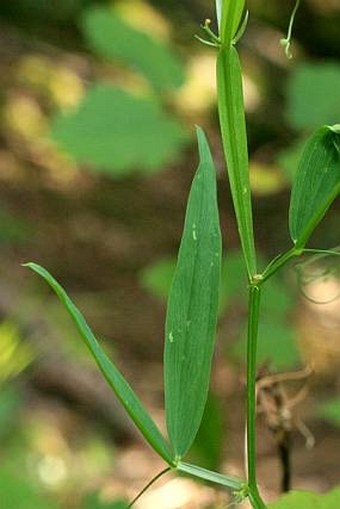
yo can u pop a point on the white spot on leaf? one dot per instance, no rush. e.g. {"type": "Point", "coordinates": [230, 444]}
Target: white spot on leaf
{"type": "Point", "coordinates": [194, 234]}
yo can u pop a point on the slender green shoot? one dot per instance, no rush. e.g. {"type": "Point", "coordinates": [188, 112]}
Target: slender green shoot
{"type": "Point", "coordinates": [148, 485]}
{"type": "Point", "coordinates": [253, 322]}
{"type": "Point", "coordinates": [286, 41]}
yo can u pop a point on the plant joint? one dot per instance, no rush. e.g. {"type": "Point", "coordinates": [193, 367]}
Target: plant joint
{"type": "Point", "coordinates": [241, 494]}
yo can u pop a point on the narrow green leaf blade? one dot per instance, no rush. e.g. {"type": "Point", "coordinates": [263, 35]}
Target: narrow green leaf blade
{"type": "Point", "coordinates": [233, 130]}
{"type": "Point", "coordinates": [316, 185]}
{"type": "Point", "coordinates": [231, 16]}
{"type": "Point", "coordinates": [192, 308]}
{"type": "Point", "coordinates": [232, 483]}
{"type": "Point", "coordinates": [113, 376]}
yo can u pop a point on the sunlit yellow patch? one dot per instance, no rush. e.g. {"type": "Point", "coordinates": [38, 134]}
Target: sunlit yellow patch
{"type": "Point", "coordinates": [143, 16]}
{"type": "Point", "coordinates": [252, 97]}
{"type": "Point", "coordinates": [23, 116]}
{"type": "Point", "coordinates": [60, 168]}
{"type": "Point", "coordinates": [34, 71]}
{"type": "Point", "coordinates": [15, 355]}
{"type": "Point", "coordinates": [60, 84]}
{"type": "Point", "coordinates": [266, 179]}
{"type": "Point", "coordinates": [199, 91]}
{"type": "Point", "coordinates": [55, 459]}
{"type": "Point", "coordinates": [133, 82]}
{"type": "Point", "coordinates": [65, 87]}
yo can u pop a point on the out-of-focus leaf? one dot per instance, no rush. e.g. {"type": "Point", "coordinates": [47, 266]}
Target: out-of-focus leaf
{"type": "Point", "coordinates": [316, 185]}
{"type": "Point", "coordinates": [308, 500]}
{"type": "Point", "coordinates": [233, 280]}
{"type": "Point", "coordinates": [17, 493]}
{"type": "Point", "coordinates": [288, 158]}
{"type": "Point", "coordinates": [333, 499]}
{"type": "Point", "coordinates": [330, 411]}
{"type": "Point", "coordinates": [314, 95]}
{"type": "Point", "coordinates": [10, 404]}
{"type": "Point", "coordinates": [192, 308]}
{"type": "Point", "coordinates": [111, 37]}
{"type": "Point", "coordinates": [276, 345]}
{"type": "Point", "coordinates": [15, 354]}
{"type": "Point", "coordinates": [156, 278]}
{"type": "Point", "coordinates": [13, 230]}
{"type": "Point", "coordinates": [117, 133]}
{"type": "Point", "coordinates": [207, 447]}
{"type": "Point", "coordinates": [92, 501]}
{"type": "Point", "coordinates": [113, 376]}
{"type": "Point", "coordinates": [276, 299]}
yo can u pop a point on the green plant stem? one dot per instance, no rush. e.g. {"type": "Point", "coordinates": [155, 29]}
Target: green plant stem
{"type": "Point", "coordinates": [253, 322]}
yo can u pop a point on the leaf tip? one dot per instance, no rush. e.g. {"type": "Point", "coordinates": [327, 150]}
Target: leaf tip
{"type": "Point", "coordinates": [27, 264]}
{"type": "Point", "coordinates": [335, 128]}
{"type": "Point", "coordinates": [203, 148]}
{"type": "Point", "coordinates": [199, 131]}
{"type": "Point", "coordinates": [30, 265]}
{"type": "Point", "coordinates": [35, 267]}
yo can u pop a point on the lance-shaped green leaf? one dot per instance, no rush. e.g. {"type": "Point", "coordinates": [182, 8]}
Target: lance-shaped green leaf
{"type": "Point", "coordinates": [316, 185]}
{"type": "Point", "coordinates": [233, 130]}
{"type": "Point", "coordinates": [230, 19]}
{"type": "Point", "coordinates": [113, 376]}
{"type": "Point", "coordinates": [192, 308]}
